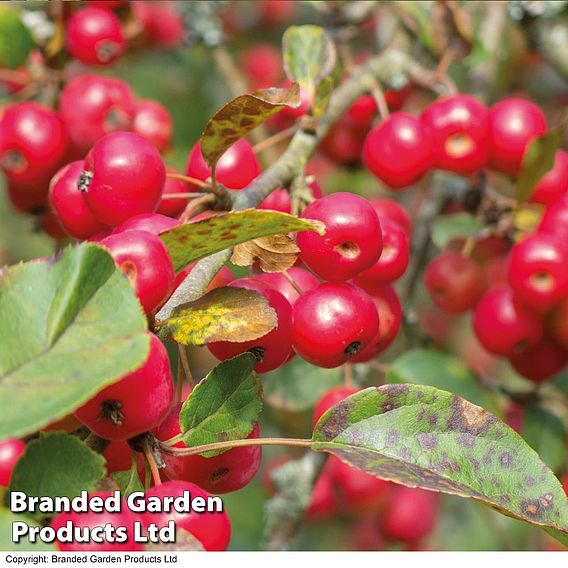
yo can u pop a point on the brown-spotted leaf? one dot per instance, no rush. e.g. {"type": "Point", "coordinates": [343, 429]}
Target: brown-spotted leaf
{"type": "Point", "coordinates": [451, 29]}
{"type": "Point", "coordinates": [192, 241]}
{"type": "Point", "coordinates": [274, 254]}
{"type": "Point", "coordinates": [421, 436]}
{"type": "Point", "coordinates": [224, 314]}
{"type": "Point", "coordinates": [309, 56]}
{"type": "Point", "coordinates": [241, 115]}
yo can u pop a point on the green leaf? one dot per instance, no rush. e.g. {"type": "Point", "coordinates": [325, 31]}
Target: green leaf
{"type": "Point", "coordinates": [309, 56]}
{"type": "Point", "coordinates": [419, 22]}
{"type": "Point", "coordinates": [16, 41]}
{"type": "Point", "coordinates": [421, 436]}
{"type": "Point", "coordinates": [538, 159]}
{"type": "Point", "coordinates": [224, 405]}
{"type": "Point", "coordinates": [57, 464]}
{"type": "Point", "coordinates": [449, 227]}
{"type": "Point", "coordinates": [441, 370]}
{"type": "Point", "coordinates": [545, 433]}
{"type": "Point", "coordinates": [6, 542]}
{"type": "Point", "coordinates": [297, 386]}
{"type": "Point", "coordinates": [323, 94]}
{"type": "Point", "coordinates": [193, 241]}
{"type": "Point", "coordinates": [241, 115]}
{"type": "Point", "coordinates": [224, 314]}
{"type": "Point", "coordinates": [70, 326]}
{"type": "Point", "coordinates": [128, 481]}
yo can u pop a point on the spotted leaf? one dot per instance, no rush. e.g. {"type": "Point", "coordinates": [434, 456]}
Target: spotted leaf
{"type": "Point", "coordinates": [421, 436]}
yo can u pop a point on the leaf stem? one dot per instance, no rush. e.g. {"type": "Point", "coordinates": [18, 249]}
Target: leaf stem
{"type": "Point", "coordinates": [152, 463]}
{"type": "Point", "coordinates": [274, 139]}
{"type": "Point", "coordinates": [181, 452]}
{"type": "Point", "coordinates": [189, 179]}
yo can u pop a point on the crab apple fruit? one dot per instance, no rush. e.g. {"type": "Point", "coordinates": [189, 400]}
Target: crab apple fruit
{"type": "Point", "coordinates": [389, 209]}
{"type": "Point", "coordinates": [537, 271]}
{"type": "Point", "coordinates": [460, 133]}
{"type": "Point", "coordinates": [389, 309]}
{"type": "Point", "coordinates": [333, 323]}
{"type": "Point", "coordinates": [124, 176]}
{"type": "Point", "coordinates": [118, 457]}
{"type": "Point", "coordinates": [554, 183]}
{"type": "Point", "coordinates": [138, 402]}
{"type": "Point", "coordinates": [557, 325]}
{"type": "Point", "coordinates": [262, 64]}
{"type": "Point", "coordinates": [397, 97]}
{"type": "Point", "coordinates": [343, 143]}
{"type": "Point", "coordinates": [411, 514]}
{"type": "Point", "coordinates": [323, 503]}
{"type": "Point", "coordinates": [515, 122]}
{"type": "Point", "coordinates": [94, 36]}
{"type": "Point", "coordinates": [222, 278]}
{"type": "Point", "coordinates": [33, 144]}
{"type": "Point", "coordinates": [555, 219]}
{"type": "Point", "coordinates": [330, 398]}
{"type": "Point", "coordinates": [357, 490]}
{"type": "Point", "coordinates": [503, 325]}
{"type": "Point", "coordinates": [95, 105]}
{"type": "Point", "coordinates": [211, 529]}
{"type": "Point", "coordinates": [399, 150]}
{"type": "Point", "coordinates": [150, 222]}
{"type": "Point", "coordinates": [146, 263]}
{"type": "Point", "coordinates": [153, 122]}
{"type": "Point", "coordinates": [394, 259]}
{"type": "Point", "coordinates": [352, 240]}
{"type": "Point", "coordinates": [454, 281]}
{"type": "Point", "coordinates": [89, 520]}
{"type": "Point", "coordinates": [161, 21]}
{"type": "Point", "coordinates": [11, 450]}
{"type": "Point", "coordinates": [301, 278]}
{"type": "Point", "coordinates": [273, 349]}
{"type": "Point", "coordinates": [173, 207]}
{"type": "Point", "coordinates": [227, 472]}
{"type": "Point", "coordinates": [27, 200]}
{"type": "Point", "coordinates": [279, 199]}
{"type": "Point", "coordinates": [236, 168]}
{"type": "Point", "coordinates": [565, 483]}
{"type": "Point", "coordinates": [69, 203]}
{"type": "Point", "coordinates": [362, 112]}
{"type": "Point", "coordinates": [540, 362]}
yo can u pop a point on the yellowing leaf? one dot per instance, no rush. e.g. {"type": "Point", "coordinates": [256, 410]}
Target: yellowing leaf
{"type": "Point", "coordinates": [224, 314]}
{"type": "Point", "coordinates": [274, 254]}
{"type": "Point", "coordinates": [241, 115]}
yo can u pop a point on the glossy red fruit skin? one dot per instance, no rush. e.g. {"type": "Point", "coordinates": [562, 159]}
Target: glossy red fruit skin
{"type": "Point", "coordinates": [213, 530]}
{"type": "Point", "coordinates": [514, 123]}
{"type": "Point", "coordinates": [262, 64]}
{"type": "Point", "coordinates": [26, 199]}
{"type": "Point", "coordinates": [352, 241]}
{"type": "Point", "coordinates": [537, 271]}
{"type": "Point", "coordinates": [94, 36]}
{"type": "Point", "coordinates": [390, 209]}
{"type": "Point", "coordinates": [236, 168]}
{"type": "Point", "coordinates": [33, 144]}
{"type": "Point", "coordinates": [555, 219]}
{"type": "Point", "coordinates": [125, 518]}
{"type": "Point", "coordinates": [303, 279]}
{"type": "Point", "coordinates": [173, 207]}
{"type": "Point", "coordinates": [145, 261]}
{"type": "Point", "coordinates": [540, 362]}
{"type": "Point", "coordinates": [332, 323]}
{"type": "Point", "coordinates": [127, 176]}
{"type": "Point", "coordinates": [343, 143]}
{"type": "Point", "coordinates": [503, 325]}
{"type": "Point", "coordinates": [145, 397]}
{"type": "Point", "coordinates": [330, 398]}
{"type": "Point", "coordinates": [393, 261]}
{"type": "Point", "coordinates": [358, 491]}
{"type": "Point", "coordinates": [276, 344]}
{"type": "Point", "coordinates": [554, 184]}
{"type": "Point", "coordinates": [118, 457]}
{"type": "Point", "coordinates": [323, 503]}
{"type": "Point", "coordinates": [11, 450]}
{"type": "Point", "coordinates": [229, 471]}
{"type": "Point", "coordinates": [153, 122]}
{"type": "Point", "coordinates": [222, 278]}
{"type": "Point", "coordinates": [389, 309]}
{"type": "Point", "coordinates": [557, 324]}
{"type": "Point", "coordinates": [399, 150]}
{"type": "Point", "coordinates": [411, 514]}
{"type": "Point", "coordinates": [279, 200]}
{"type": "Point", "coordinates": [69, 203]}
{"type": "Point", "coordinates": [162, 23]}
{"type": "Point", "coordinates": [460, 133]}
{"type": "Point", "coordinates": [104, 105]}
{"type": "Point", "coordinates": [455, 282]}
{"type": "Point", "coordinates": [153, 223]}
{"type": "Point", "coordinates": [362, 112]}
